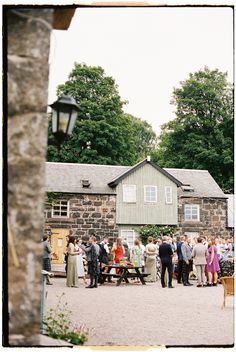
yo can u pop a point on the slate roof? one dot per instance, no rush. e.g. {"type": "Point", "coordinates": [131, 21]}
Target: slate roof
{"type": "Point", "coordinates": [201, 181]}
{"type": "Point", "coordinates": [67, 178]}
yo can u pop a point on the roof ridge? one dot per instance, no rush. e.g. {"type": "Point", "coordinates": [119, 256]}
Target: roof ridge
{"type": "Point", "coordinates": [53, 162]}
{"type": "Point", "coordinates": [172, 168]}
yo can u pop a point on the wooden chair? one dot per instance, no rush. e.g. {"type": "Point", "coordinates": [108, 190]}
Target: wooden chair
{"type": "Point", "coordinates": [228, 284]}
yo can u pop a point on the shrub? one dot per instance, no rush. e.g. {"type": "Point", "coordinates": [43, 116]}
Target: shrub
{"type": "Point", "coordinates": [156, 231]}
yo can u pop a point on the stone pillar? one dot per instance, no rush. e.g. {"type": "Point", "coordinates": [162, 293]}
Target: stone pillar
{"type": "Point", "coordinates": [28, 51]}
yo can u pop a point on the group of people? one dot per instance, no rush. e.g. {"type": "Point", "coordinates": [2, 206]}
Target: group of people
{"type": "Point", "coordinates": [172, 254]}
{"type": "Point", "coordinates": [96, 254]}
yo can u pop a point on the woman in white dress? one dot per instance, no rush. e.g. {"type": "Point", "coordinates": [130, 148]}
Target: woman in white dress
{"type": "Point", "coordinates": [80, 263]}
{"type": "Point", "coordinates": [150, 264]}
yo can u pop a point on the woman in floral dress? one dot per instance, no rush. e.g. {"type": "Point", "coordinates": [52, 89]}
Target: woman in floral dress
{"type": "Point", "coordinates": [136, 255]}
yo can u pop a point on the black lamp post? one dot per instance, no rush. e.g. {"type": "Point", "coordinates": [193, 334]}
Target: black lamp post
{"type": "Point", "coordinates": [64, 115]}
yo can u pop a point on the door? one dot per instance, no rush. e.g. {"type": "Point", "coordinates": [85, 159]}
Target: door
{"type": "Point", "coordinates": [58, 244]}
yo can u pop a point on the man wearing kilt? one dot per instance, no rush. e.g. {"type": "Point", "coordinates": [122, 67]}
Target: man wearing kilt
{"type": "Point", "coordinates": [47, 257]}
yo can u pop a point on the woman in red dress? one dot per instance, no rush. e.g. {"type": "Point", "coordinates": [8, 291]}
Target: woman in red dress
{"type": "Point", "coordinates": [118, 251]}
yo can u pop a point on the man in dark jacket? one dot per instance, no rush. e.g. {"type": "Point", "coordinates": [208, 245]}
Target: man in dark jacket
{"type": "Point", "coordinates": [180, 258]}
{"type": "Point", "coordinates": [92, 251]}
{"type": "Point", "coordinates": [166, 254]}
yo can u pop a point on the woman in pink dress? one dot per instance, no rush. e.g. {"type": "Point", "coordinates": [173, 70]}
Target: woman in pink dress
{"type": "Point", "coordinates": [212, 266]}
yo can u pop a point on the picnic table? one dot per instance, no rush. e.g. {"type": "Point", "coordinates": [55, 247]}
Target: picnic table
{"type": "Point", "coordinates": [125, 273]}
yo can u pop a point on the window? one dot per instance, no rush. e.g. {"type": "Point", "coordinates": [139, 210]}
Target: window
{"type": "Point", "coordinates": [129, 193]}
{"type": "Point", "coordinates": [61, 209]}
{"type": "Point", "coordinates": [129, 235]}
{"type": "Point", "coordinates": [191, 212]}
{"type": "Point", "coordinates": [168, 194]}
{"type": "Point", "coordinates": [150, 194]}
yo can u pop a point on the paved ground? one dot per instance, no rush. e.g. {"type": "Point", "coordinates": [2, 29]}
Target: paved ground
{"type": "Point", "coordinates": [133, 314]}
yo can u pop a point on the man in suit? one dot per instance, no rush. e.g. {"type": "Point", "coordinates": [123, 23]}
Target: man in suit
{"type": "Point", "coordinates": [186, 250]}
{"type": "Point", "coordinates": [180, 258]}
{"type": "Point", "coordinates": [166, 254]}
{"type": "Point", "coordinates": [92, 251]}
{"type": "Point", "coordinates": [200, 254]}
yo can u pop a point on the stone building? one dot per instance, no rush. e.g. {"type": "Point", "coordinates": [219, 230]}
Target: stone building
{"type": "Point", "coordinates": [202, 205]}
{"type": "Point", "coordinates": [112, 201]}
{"type": "Point", "coordinates": [88, 197]}
{"type": "Point", "coordinates": [27, 41]}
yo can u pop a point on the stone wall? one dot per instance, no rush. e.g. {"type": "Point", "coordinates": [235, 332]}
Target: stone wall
{"type": "Point", "coordinates": [88, 213]}
{"type": "Point", "coordinates": [28, 51]}
{"type": "Point", "coordinates": [213, 217]}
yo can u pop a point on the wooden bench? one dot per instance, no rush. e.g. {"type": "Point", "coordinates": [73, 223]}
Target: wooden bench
{"type": "Point", "coordinates": [117, 276]}
{"type": "Point", "coordinates": [110, 275]}
{"type": "Point", "coordinates": [104, 276]}
{"type": "Point", "coordinates": [130, 275]}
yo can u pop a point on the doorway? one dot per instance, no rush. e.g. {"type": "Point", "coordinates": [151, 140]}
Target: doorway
{"type": "Point", "coordinates": [58, 244]}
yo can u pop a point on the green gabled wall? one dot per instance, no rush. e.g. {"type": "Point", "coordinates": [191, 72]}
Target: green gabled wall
{"type": "Point", "coordinates": [141, 213]}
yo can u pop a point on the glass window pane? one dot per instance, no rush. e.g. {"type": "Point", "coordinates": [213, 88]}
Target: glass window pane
{"type": "Point", "coordinates": [54, 121]}
{"type": "Point", "coordinates": [63, 121]}
{"type": "Point", "coordinates": [72, 121]}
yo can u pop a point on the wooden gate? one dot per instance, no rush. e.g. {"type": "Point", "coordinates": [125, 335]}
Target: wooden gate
{"type": "Point", "coordinates": [58, 244]}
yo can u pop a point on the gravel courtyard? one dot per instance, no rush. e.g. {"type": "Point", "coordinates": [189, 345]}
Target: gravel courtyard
{"type": "Point", "coordinates": [137, 315]}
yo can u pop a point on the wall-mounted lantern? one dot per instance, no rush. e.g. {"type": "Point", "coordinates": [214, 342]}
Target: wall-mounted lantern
{"type": "Point", "coordinates": [64, 115]}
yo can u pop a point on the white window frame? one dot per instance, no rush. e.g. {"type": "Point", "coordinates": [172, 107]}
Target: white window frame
{"type": "Point", "coordinates": [129, 193]}
{"type": "Point", "coordinates": [168, 193]}
{"type": "Point", "coordinates": [145, 195]}
{"type": "Point", "coordinates": [191, 214]}
{"type": "Point", "coordinates": [65, 208]}
{"type": "Point", "coordinates": [124, 235]}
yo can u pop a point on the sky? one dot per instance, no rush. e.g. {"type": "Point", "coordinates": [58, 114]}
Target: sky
{"type": "Point", "coordinates": [148, 51]}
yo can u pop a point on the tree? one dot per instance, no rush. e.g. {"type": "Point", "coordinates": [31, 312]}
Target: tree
{"type": "Point", "coordinates": [201, 136]}
{"type": "Point", "coordinates": [114, 137]}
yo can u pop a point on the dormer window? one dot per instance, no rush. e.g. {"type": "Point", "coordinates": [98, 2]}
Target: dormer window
{"type": "Point", "coordinates": [187, 188]}
{"type": "Point", "coordinates": [85, 183]}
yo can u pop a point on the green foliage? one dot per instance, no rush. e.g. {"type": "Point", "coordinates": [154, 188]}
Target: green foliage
{"type": "Point", "coordinates": [116, 138]}
{"type": "Point", "coordinates": [59, 326]}
{"type": "Point", "coordinates": [202, 134]}
{"type": "Point", "coordinates": [53, 197]}
{"type": "Point", "coordinates": [156, 231]}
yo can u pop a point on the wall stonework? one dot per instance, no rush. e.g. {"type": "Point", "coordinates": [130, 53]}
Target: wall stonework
{"type": "Point", "coordinates": [88, 213]}
{"type": "Point", "coordinates": [213, 217]}
{"type": "Point", "coordinates": [28, 51]}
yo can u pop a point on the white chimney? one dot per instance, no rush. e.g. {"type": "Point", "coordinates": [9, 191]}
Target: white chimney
{"type": "Point", "coordinates": [148, 158]}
